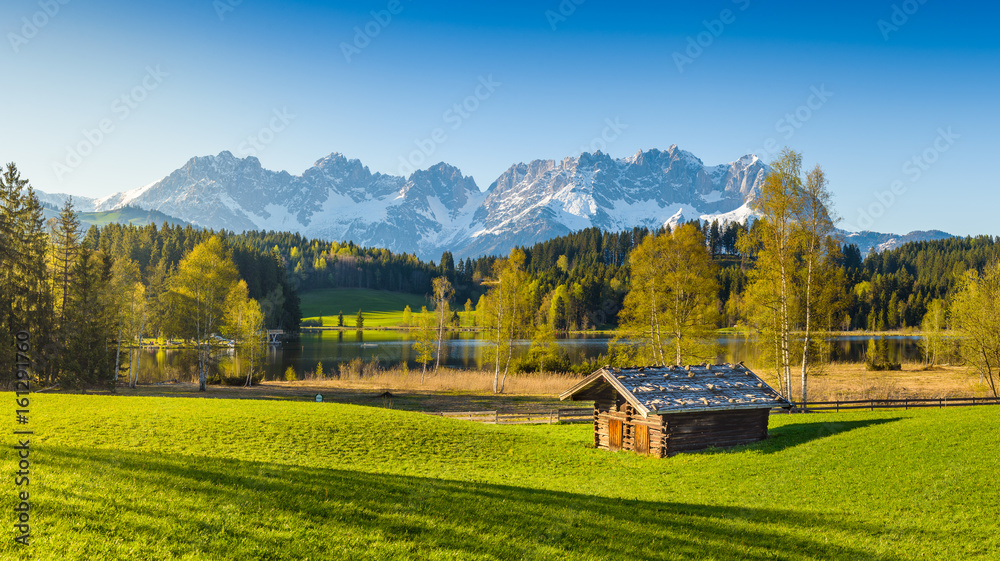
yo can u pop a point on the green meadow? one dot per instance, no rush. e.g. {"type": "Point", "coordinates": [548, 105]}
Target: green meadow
{"type": "Point", "coordinates": [380, 308]}
{"type": "Point", "coordinates": [178, 478]}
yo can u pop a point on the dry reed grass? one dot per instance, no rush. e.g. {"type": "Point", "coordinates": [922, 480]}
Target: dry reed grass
{"type": "Point", "coordinates": [851, 381]}
{"type": "Point", "coordinates": [465, 390]}
{"type": "Point", "coordinates": [827, 382]}
{"type": "Point", "coordinates": [370, 375]}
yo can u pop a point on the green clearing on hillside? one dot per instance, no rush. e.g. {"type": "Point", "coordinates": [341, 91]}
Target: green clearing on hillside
{"type": "Point", "coordinates": [169, 478]}
{"type": "Point", "coordinates": [380, 308]}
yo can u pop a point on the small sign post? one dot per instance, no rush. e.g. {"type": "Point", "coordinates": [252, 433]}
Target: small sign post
{"type": "Point", "coordinates": [319, 398]}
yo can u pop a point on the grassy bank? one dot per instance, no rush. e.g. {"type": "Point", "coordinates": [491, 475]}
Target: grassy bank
{"type": "Point", "coordinates": [160, 478]}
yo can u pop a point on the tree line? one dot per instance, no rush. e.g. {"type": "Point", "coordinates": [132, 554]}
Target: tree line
{"type": "Point", "coordinates": [786, 278]}
{"type": "Point", "coordinates": [88, 299]}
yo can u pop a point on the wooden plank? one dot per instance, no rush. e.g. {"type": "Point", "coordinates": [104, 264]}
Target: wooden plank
{"type": "Point", "coordinates": [615, 435]}
{"type": "Point", "coordinates": [641, 439]}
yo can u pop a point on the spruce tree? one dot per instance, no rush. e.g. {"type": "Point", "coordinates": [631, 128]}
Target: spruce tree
{"type": "Point", "coordinates": [37, 304]}
{"type": "Point", "coordinates": [86, 360]}
{"type": "Point", "coordinates": [66, 248]}
{"type": "Point", "coordinates": [9, 264]}
{"type": "Point", "coordinates": [25, 300]}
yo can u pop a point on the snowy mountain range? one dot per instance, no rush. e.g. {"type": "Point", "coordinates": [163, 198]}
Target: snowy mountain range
{"type": "Point", "coordinates": [439, 209]}
{"type": "Point", "coordinates": [878, 242]}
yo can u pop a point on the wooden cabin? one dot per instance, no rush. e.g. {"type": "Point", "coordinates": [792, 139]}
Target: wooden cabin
{"type": "Point", "coordinates": [665, 410]}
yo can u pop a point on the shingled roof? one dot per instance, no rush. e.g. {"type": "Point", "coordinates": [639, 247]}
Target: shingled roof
{"type": "Point", "coordinates": [657, 390]}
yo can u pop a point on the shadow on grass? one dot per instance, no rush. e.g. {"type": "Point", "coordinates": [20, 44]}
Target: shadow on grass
{"type": "Point", "coordinates": [199, 506]}
{"type": "Point", "coordinates": [795, 434]}
{"type": "Point", "coordinates": [787, 436]}
{"type": "Point", "coordinates": [402, 400]}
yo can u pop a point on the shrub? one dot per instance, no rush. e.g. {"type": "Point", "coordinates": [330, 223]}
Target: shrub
{"type": "Point", "coordinates": [877, 356]}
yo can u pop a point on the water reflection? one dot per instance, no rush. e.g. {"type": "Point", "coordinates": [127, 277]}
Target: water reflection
{"type": "Point", "coordinates": [461, 350]}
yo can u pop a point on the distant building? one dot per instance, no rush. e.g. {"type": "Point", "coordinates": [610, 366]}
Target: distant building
{"type": "Point", "coordinates": [664, 410]}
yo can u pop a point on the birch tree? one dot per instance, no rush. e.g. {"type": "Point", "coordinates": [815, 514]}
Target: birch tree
{"type": "Point", "coordinates": [124, 276]}
{"type": "Point", "coordinates": [137, 315]}
{"type": "Point", "coordinates": [976, 315]}
{"type": "Point", "coordinates": [505, 312]}
{"type": "Point", "coordinates": [815, 226]}
{"type": "Point", "coordinates": [672, 304]}
{"type": "Point", "coordinates": [198, 290]}
{"type": "Point", "coordinates": [778, 207]}
{"type": "Point", "coordinates": [424, 345]}
{"type": "Point", "coordinates": [442, 294]}
{"type": "Point", "coordinates": [933, 325]}
{"type": "Point", "coordinates": [244, 323]}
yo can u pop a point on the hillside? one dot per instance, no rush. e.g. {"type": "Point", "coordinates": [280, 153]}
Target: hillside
{"type": "Point", "coordinates": [380, 307]}
{"type": "Point", "coordinates": [124, 215]}
{"type": "Point", "coordinates": [126, 477]}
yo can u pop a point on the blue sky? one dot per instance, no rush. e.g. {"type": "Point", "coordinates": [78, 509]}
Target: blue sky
{"type": "Point", "coordinates": [901, 114]}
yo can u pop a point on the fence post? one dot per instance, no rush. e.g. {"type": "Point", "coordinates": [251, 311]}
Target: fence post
{"type": "Point", "coordinates": [871, 404]}
{"type": "Point", "coordinates": [496, 417]}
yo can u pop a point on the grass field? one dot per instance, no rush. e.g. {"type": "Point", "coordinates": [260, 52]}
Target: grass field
{"type": "Point", "coordinates": [174, 478]}
{"type": "Point", "coordinates": [380, 308]}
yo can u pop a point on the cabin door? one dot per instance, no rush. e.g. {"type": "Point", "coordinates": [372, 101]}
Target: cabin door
{"type": "Point", "coordinates": [641, 438]}
{"type": "Point", "coordinates": [614, 435]}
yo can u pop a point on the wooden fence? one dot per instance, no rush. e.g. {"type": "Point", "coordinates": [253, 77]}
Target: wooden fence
{"type": "Point", "coordinates": [873, 404]}
{"type": "Point", "coordinates": [586, 415]}
{"type": "Point", "coordinates": [574, 415]}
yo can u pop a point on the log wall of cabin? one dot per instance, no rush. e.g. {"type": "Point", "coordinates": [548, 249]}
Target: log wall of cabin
{"type": "Point", "coordinates": [685, 432]}
{"type": "Point", "coordinates": [607, 406]}
{"type": "Point", "coordinates": [610, 405]}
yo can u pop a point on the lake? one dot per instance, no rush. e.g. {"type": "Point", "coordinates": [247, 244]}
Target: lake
{"type": "Point", "coordinates": [461, 350]}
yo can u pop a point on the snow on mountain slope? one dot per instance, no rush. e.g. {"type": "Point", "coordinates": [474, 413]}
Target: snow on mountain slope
{"type": "Point", "coordinates": [57, 200]}
{"type": "Point", "coordinates": [878, 242]}
{"type": "Point", "coordinates": [337, 199]}
{"type": "Point", "coordinates": [439, 209]}
{"type": "Point", "coordinates": [544, 198]}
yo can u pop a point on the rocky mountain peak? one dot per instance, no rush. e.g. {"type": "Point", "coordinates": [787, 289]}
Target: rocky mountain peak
{"type": "Point", "coordinates": [439, 208]}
